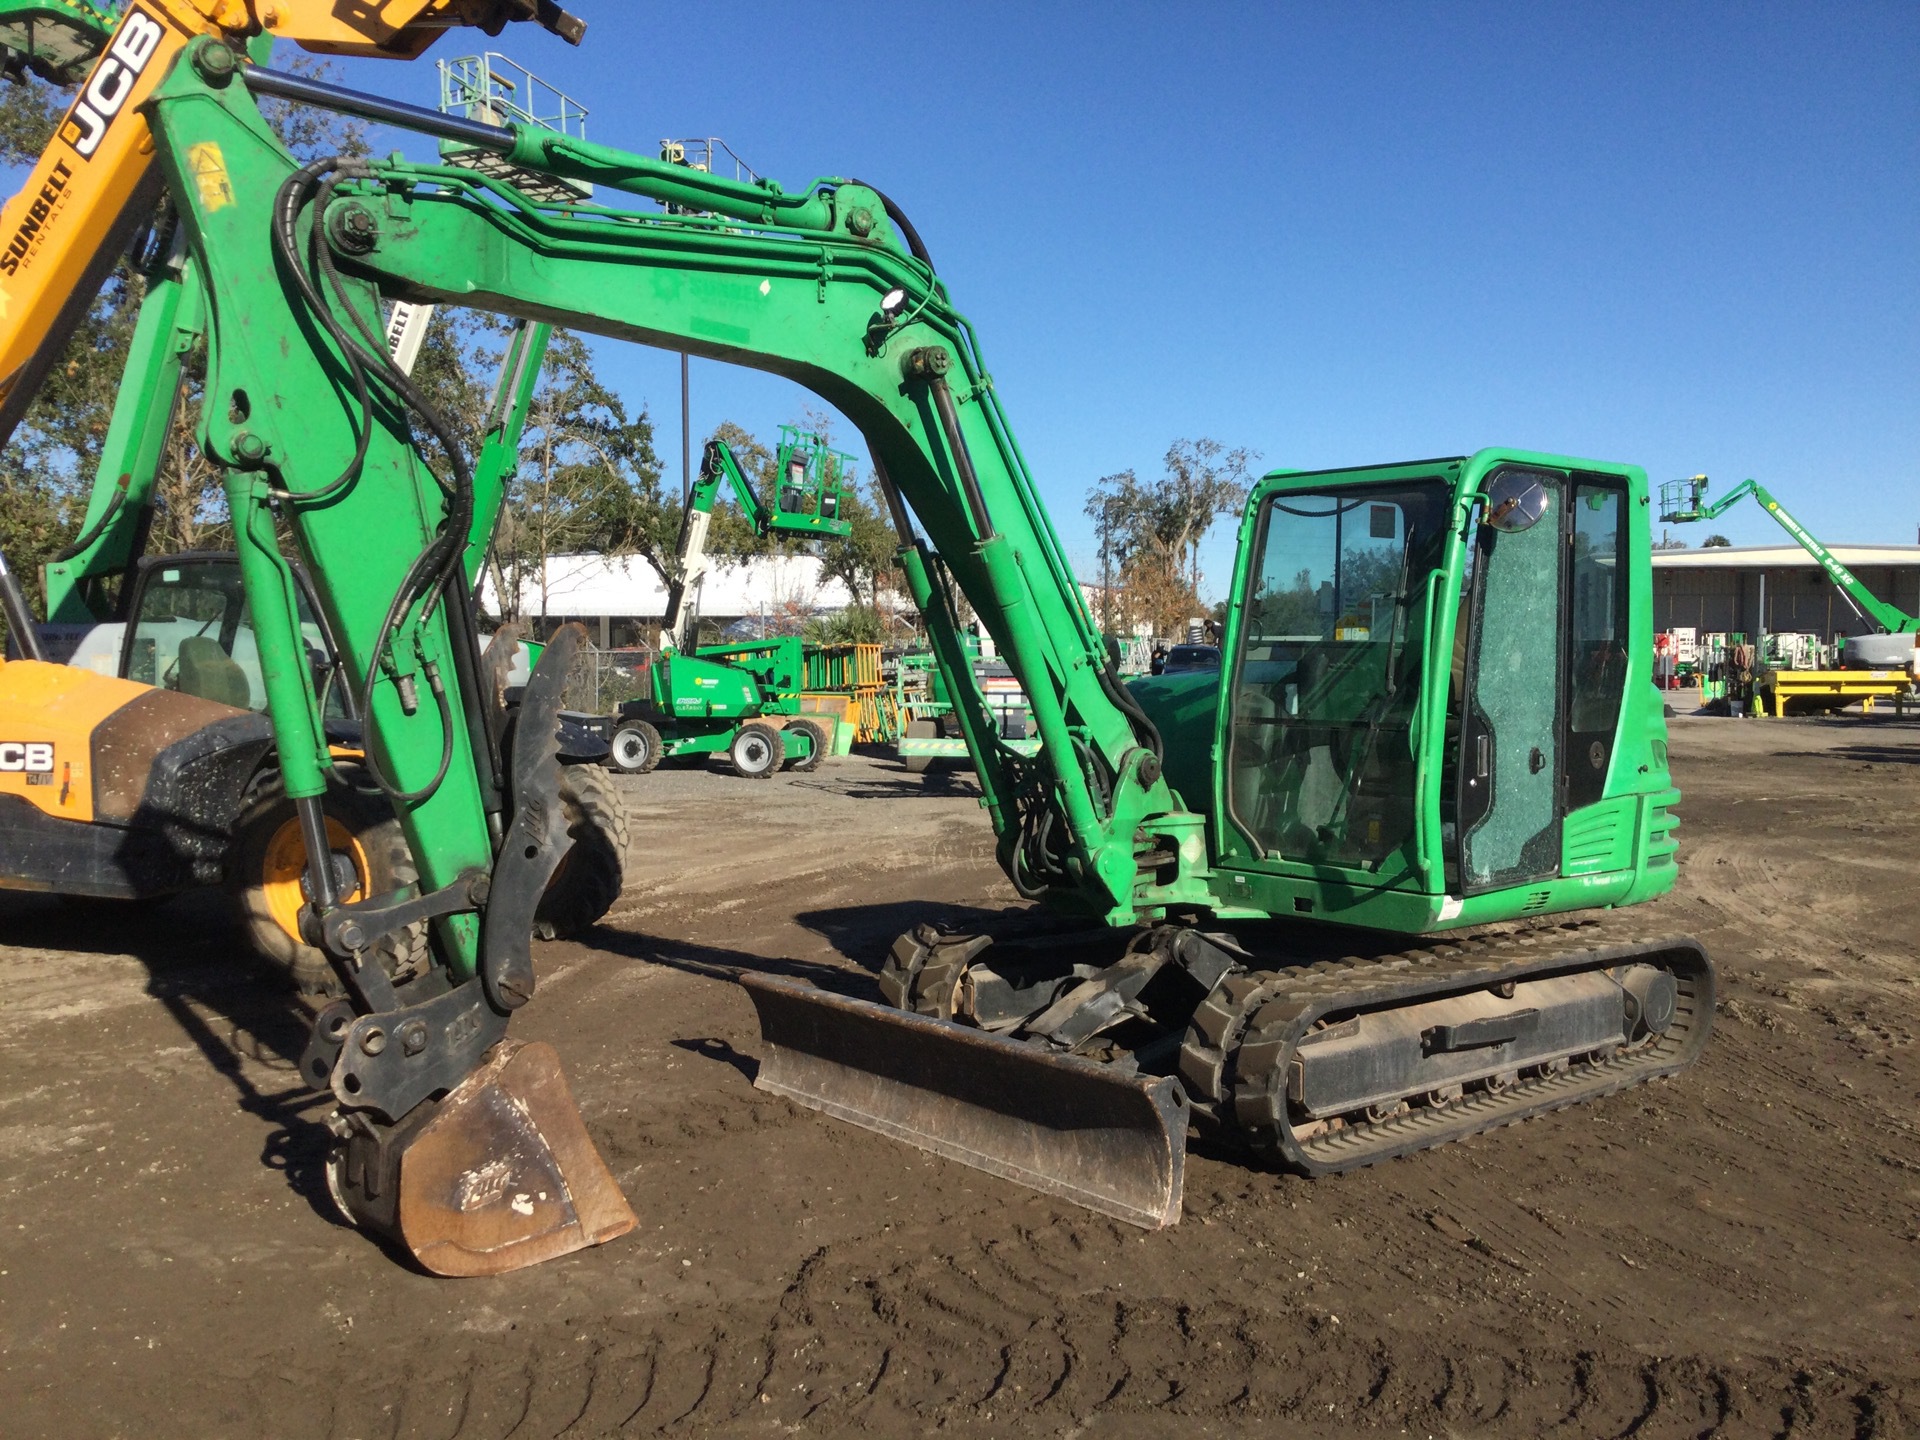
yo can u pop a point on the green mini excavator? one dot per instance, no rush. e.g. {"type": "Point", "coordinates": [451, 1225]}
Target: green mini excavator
{"type": "Point", "coordinates": [1435, 714]}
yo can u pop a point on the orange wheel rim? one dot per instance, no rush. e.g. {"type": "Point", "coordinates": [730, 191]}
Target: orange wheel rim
{"type": "Point", "coordinates": [286, 862]}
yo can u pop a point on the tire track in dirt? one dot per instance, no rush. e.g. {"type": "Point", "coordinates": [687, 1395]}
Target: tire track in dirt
{"type": "Point", "coordinates": [838, 1353]}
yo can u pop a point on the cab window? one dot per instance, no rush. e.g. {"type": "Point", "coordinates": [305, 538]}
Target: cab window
{"type": "Point", "coordinates": [192, 631]}
{"type": "Point", "coordinates": [1328, 671]}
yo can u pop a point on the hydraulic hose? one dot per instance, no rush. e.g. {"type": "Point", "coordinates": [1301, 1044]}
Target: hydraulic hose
{"type": "Point", "coordinates": [99, 527]}
{"type": "Point", "coordinates": [439, 565]}
{"type": "Point", "coordinates": [915, 244]}
{"type": "Point", "coordinates": [963, 461]}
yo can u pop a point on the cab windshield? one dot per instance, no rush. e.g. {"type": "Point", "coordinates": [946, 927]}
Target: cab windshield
{"type": "Point", "coordinates": [1328, 670]}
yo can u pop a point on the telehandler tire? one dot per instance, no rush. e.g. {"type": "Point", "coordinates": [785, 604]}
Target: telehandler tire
{"type": "Point", "coordinates": [592, 873]}
{"type": "Point", "coordinates": [265, 866]}
{"type": "Point", "coordinates": [816, 738]}
{"type": "Point", "coordinates": [757, 751]}
{"type": "Point", "coordinates": [637, 748]}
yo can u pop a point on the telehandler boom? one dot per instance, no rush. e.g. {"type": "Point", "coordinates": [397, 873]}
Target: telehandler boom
{"type": "Point", "coordinates": [1437, 712]}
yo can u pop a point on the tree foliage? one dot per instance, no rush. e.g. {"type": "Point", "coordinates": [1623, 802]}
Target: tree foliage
{"type": "Point", "coordinates": [588, 479]}
{"type": "Point", "coordinates": [1151, 531]}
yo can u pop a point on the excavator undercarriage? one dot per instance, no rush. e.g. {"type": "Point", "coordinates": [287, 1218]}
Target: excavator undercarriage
{"type": "Point", "coordinates": [1315, 1067]}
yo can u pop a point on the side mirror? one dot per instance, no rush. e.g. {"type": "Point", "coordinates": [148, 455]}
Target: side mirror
{"type": "Point", "coordinates": [1516, 501]}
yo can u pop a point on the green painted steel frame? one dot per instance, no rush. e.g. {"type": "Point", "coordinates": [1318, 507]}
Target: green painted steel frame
{"type": "Point", "coordinates": [171, 321]}
{"type": "Point", "coordinates": [801, 302]}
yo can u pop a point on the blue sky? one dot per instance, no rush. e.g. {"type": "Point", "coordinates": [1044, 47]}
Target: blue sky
{"type": "Point", "coordinates": [1686, 237]}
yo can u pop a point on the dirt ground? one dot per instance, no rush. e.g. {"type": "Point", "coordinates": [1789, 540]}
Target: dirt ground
{"type": "Point", "coordinates": [1732, 1252]}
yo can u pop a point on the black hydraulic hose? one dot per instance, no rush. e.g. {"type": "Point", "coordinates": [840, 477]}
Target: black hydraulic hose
{"type": "Point", "coordinates": [962, 459]}
{"type": "Point", "coordinates": [291, 198]}
{"type": "Point", "coordinates": [20, 623]}
{"type": "Point", "coordinates": [1130, 705]}
{"type": "Point", "coordinates": [899, 217]}
{"type": "Point", "coordinates": [94, 531]}
{"type": "Point", "coordinates": [437, 566]}
{"type": "Point", "coordinates": [483, 720]}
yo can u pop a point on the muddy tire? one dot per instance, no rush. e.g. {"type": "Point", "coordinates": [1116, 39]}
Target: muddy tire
{"type": "Point", "coordinates": [923, 971]}
{"type": "Point", "coordinates": [265, 866]}
{"type": "Point", "coordinates": [816, 738]}
{"type": "Point", "coordinates": [591, 875]}
{"type": "Point", "coordinates": [757, 751]}
{"type": "Point", "coordinates": [636, 750]}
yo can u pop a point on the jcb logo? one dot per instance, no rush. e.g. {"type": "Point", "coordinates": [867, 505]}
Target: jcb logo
{"type": "Point", "coordinates": [111, 83]}
{"type": "Point", "coordinates": [31, 756]}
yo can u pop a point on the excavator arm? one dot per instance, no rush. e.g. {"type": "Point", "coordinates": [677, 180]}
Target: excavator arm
{"type": "Point", "coordinates": [829, 287]}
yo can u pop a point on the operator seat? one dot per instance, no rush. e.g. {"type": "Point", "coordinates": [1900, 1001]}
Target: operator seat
{"type": "Point", "coordinates": [210, 673]}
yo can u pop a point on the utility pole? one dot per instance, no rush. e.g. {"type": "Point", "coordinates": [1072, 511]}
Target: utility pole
{"type": "Point", "coordinates": [1106, 567]}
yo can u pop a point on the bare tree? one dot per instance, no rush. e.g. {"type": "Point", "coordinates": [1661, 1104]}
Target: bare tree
{"type": "Point", "coordinates": [1151, 530]}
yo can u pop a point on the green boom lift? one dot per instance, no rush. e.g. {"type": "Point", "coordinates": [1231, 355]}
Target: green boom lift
{"type": "Point", "coordinates": [741, 701]}
{"type": "Point", "coordinates": [1890, 647]}
{"type": "Point", "coordinates": [1470, 736]}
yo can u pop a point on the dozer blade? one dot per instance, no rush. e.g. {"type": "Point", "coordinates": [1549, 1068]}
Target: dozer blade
{"type": "Point", "coordinates": [503, 1174]}
{"type": "Point", "coordinates": [1064, 1125]}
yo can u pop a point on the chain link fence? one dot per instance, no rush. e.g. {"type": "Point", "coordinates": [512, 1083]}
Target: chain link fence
{"type": "Point", "coordinates": [600, 680]}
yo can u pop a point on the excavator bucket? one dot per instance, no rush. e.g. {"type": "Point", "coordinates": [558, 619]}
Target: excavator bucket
{"type": "Point", "coordinates": [503, 1175]}
{"type": "Point", "coordinates": [1058, 1123]}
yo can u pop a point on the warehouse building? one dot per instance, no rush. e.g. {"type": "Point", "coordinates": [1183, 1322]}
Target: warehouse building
{"type": "Point", "coordinates": [1777, 589]}
{"type": "Point", "coordinates": [621, 599]}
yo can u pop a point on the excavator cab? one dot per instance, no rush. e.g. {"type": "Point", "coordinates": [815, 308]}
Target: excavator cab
{"type": "Point", "coordinates": [1430, 717]}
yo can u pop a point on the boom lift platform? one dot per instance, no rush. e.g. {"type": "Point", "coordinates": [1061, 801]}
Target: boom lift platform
{"type": "Point", "coordinates": [1405, 772]}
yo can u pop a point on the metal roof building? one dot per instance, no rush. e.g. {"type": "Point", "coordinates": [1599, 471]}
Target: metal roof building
{"type": "Point", "coordinates": [621, 598]}
{"type": "Point", "coordinates": [1726, 587]}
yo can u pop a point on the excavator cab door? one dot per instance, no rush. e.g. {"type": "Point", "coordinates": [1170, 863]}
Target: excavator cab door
{"type": "Point", "coordinates": [1510, 805]}
{"type": "Point", "coordinates": [1546, 666]}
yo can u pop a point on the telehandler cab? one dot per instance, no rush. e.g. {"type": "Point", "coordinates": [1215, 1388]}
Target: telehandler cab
{"type": "Point", "coordinates": [1436, 712]}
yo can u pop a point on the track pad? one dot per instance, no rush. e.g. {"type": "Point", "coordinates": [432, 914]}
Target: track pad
{"type": "Point", "coordinates": [504, 1174]}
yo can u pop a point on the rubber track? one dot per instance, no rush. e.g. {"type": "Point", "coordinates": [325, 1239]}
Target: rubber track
{"type": "Point", "coordinates": [1286, 1005]}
